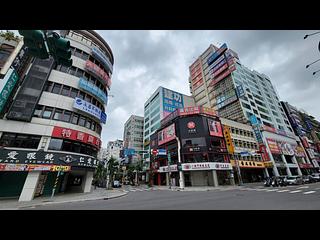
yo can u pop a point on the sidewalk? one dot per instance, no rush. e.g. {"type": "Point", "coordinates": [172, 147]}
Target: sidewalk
{"type": "Point", "coordinates": [95, 194]}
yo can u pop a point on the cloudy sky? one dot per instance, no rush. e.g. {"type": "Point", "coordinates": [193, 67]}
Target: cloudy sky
{"type": "Point", "coordinates": [145, 60]}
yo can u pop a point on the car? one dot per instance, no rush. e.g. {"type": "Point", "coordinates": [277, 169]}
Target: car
{"type": "Point", "coordinates": [316, 177]}
{"type": "Point", "coordinates": [116, 184]}
{"type": "Point", "coordinates": [294, 180]}
{"type": "Point", "coordinates": [307, 179]}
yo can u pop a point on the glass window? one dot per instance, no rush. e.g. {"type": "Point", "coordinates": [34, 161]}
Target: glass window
{"type": "Point", "coordinates": [81, 95]}
{"type": "Point", "coordinates": [78, 53]}
{"type": "Point", "coordinates": [66, 116]}
{"type": "Point", "coordinates": [56, 88]}
{"type": "Point", "coordinates": [38, 111]}
{"type": "Point", "coordinates": [88, 123]}
{"type": "Point", "coordinates": [75, 118]}
{"type": "Point", "coordinates": [73, 70]}
{"type": "Point", "coordinates": [55, 144]}
{"type": "Point", "coordinates": [74, 93]}
{"type": "Point", "coordinates": [48, 87]}
{"type": "Point", "coordinates": [93, 126]}
{"type": "Point", "coordinates": [47, 112]}
{"type": "Point", "coordinates": [64, 69]}
{"type": "Point", "coordinates": [85, 56]}
{"type": "Point", "coordinates": [57, 114]}
{"type": "Point", "coordinates": [87, 98]}
{"type": "Point", "coordinates": [82, 121]}
{"type": "Point", "coordinates": [80, 72]}
{"type": "Point", "coordinates": [65, 91]}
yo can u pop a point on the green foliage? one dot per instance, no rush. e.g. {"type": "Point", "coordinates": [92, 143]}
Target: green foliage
{"type": "Point", "coordinates": [9, 36]}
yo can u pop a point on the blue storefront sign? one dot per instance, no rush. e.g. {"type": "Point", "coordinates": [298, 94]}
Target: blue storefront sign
{"type": "Point", "coordinates": [254, 120]}
{"type": "Point", "coordinates": [129, 152]}
{"type": "Point", "coordinates": [240, 91]}
{"type": "Point", "coordinates": [171, 100]}
{"type": "Point", "coordinates": [103, 58]}
{"type": "Point", "coordinates": [217, 53]}
{"type": "Point", "coordinates": [103, 118]}
{"type": "Point", "coordinates": [93, 89]}
{"type": "Point", "coordinates": [88, 108]}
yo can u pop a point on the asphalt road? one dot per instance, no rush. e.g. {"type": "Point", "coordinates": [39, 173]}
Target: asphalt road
{"type": "Point", "coordinates": [302, 197]}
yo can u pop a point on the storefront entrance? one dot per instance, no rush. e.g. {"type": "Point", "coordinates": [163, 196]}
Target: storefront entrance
{"type": "Point", "coordinates": [250, 175]}
{"type": "Point", "coordinates": [11, 184]}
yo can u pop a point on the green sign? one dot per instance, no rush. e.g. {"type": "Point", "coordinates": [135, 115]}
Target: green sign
{"type": "Point", "coordinates": [7, 89]}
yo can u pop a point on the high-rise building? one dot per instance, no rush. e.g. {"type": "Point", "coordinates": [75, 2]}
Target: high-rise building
{"type": "Point", "coordinates": [133, 137]}
{"type": "Point", "coordinates": [113, 149]}
{"type": "Point", "coordinates": [55, 119]}
{"type": "Point", "coordinates": [161, 103]}
{"type": "Point", "coordinates": [219, 80]}
{"type": "Point", "coordinates": [308, 129]}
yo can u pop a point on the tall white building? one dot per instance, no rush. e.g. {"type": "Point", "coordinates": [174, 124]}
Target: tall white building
{"type": "Point", "coordinates": [161, 103]}
{"type": "Point", "coordinates": [133, 136]}
{"type": "Point", "coordinates": [113, 149]}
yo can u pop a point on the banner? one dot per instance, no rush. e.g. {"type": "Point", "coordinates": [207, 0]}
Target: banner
{"type": "Point", "coordinates": [215, 128]}
{"type": "Point", "coordinates": [227, 136]}
{"type": "Point", "coordinates": [206, 166]}
{"type": "Point", "coordinates": [273, 145]}
{"type": "Point", "coordinates": [217, 53]}
{"type": "Point", "coordinates": [98, 72]}
{"type": "Point", "coordinates": [171, 100]}
{"type": "Point", "coordinates": [286, 148]}
{"type": "Point", "coordinates": [87, 107]}
{"type": "Point", "coordinates": [298, 151]}
{"type": "Point", "coordinates": [103, 58]}
{"type": "Point", "coordinates": [167, 134]}
{"type": "Point", "coordinates": [222, 76]}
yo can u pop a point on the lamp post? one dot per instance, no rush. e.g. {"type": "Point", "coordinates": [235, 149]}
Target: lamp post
{"type": "Point", "coordinates": [307, 35]}
{"type": "Point", "coordinates": [315, 72]}
{"type": "Point", "coordinates": [312, 63]}
{"type": "Point", "coordinates": [181, 176]}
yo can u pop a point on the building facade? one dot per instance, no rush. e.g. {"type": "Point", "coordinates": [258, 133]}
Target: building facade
{"type": "Point", "coordinates": [54, 121]}
{"type": "Point", "coordinates": [195, 136]}
{"type": "Point", "coordinates": [161, 103]}
{"type": "Point", "coordinates": [114, 149]}
{"type": "Point", "coordinates": [219, 80]}
{"type": "Point", "coordinates": [308, 129]}
{"type": "Point", "coordinates": [133, 138]}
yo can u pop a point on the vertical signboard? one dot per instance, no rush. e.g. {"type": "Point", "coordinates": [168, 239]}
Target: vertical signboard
{"type": "Point", "coordinates": [273, 145]}
{"type": "Point", "coordinates": [215, 128]}
{"type": "Point", "coordinates": [9, 83]}
{"type": "Point", "coordinates": [227, 136]}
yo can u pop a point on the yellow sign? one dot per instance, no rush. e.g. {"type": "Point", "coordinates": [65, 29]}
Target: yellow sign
{"type": "Point", "coordinates": [248, 164]}
{"type": "Point", "coordinates": [268, 164]}
{"type": "Point", "coordinates": [60, 168]}
{"type": "Point", "coordinates": [227, 136]}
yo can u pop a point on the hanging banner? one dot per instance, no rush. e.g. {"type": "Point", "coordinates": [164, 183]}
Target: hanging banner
{"type": "Point", "coordinates": [286, 148]}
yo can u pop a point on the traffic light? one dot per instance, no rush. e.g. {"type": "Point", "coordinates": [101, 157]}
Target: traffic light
{"type": "Point", "coordinates": [34, 40]}
{"type": "Point", "coordinates": [60, 49]}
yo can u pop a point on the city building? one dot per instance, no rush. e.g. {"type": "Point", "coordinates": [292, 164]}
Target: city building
{"type": "Point", "coordinates": [308, 129]}
{"type": "Point", "coordinates": [161, 103]}
{"type": "Point", "coordinates": [194, 139]}
{"type": "Point", "coordinates": [244, 149]}
{"type": "Point", "coordinates": [50, 133]}
{"type": "Point", "coordinates": [219, 80]}
{"type": "Point", "coordinates": [113, 149]}
{"type": "Point", "coordinates": [133, 138]}
{"type": "Point", "coordinates": [103, 153]}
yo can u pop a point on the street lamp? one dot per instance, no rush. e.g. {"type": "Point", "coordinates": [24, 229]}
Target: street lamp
{"type": "Point", "coordinates": [315, 72]}
{"type": "Point", "coordinates": [312, 63]}
{"type": "Point", "coordinates": [310, 34]}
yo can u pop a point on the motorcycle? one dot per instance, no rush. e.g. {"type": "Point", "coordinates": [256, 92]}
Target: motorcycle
{"type": "Point", "coordinates": [268, 182]}
{"type": "Point", "coordinates": [283, 182]}
{"type": "Point", "coordinates": [275, 182]}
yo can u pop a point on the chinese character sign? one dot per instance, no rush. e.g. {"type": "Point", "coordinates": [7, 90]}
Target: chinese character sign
{"type": "Point", "coordinates": [171, 101]}
{"type": "Point", "coordinates": [215, 128]}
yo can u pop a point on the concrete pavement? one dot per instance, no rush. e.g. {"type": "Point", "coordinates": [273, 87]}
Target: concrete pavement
{"type": "Point", "coordinates": [95, 194]}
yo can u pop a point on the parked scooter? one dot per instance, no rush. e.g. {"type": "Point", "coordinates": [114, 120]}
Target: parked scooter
{"type": "Point", "coordinates": [275, 182]}
{"type": "Point", "coordinates": [268, 182]}
{"type": "Point", "coordinates": [283, 182]}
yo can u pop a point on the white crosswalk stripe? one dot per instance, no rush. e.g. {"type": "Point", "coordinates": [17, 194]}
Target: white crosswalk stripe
{"type": "Point", "coordinates": [302, 187]}
{"type": "Point", "coordinates": [296, 191]}
{"type": "Point", "coordinates": [272, 190]}
{"type": "Point", "coordinates": [286, 190]}
{"type": "Point", "coordinates": [309, 192]}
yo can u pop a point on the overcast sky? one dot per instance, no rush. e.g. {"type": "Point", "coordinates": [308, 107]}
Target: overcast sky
{"type": "Point", "coordinates": [145, 60]}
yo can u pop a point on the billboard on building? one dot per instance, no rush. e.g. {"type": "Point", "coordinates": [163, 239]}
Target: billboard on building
{"type": "Point", "coordinates": [217, 53]}
{"type": "Point", "coordinates": [273, 145]}
{"type": "Point", "coordinates": [286, 148]}
{"type": "Point", "coordinates": [167, 134]}
{"type": "Point", "coordinates": [171, 101]}
{"type": "Point", "coordinates": [215, 128]}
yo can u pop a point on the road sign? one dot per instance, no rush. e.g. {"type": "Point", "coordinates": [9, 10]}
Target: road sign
{"type": "Point", "coordinates": [154, 152]}
{"type": "Point", "coordinates": [162, 152]}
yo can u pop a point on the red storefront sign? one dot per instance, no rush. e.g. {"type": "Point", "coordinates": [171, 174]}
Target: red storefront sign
{"type": "Point", "coordinates": [98, 72]}
{"type": "Point", "coordinates": [305, 165]}
{"type": "Point", "coordinates": [67, 133]}
{"type": "Point", "coordinates": [273, 145]}
{"type": "Point", "coordinates": [189, 111]}
{"type": "Point", "coordinates": [263, 152]}
{"type": "Point", "coordinates": [215, 128]}
{"type": "Point", "coordinates": [222, 76]}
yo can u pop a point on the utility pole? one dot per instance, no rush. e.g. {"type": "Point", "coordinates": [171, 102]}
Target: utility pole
{"type": "Point", "coordinates": [181, 176]}
{"type": "Point", "coordinates": [239, 171]}
{"type": "Point", "coordinates": [169, 168]}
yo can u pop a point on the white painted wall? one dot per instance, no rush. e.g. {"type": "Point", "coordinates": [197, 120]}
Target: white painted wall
{"type": "Point", "coordinates": [29, 186]}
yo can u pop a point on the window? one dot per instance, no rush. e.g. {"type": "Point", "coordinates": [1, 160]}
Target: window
{"type": "Point", "coordinates": [65, 91]}
{"type": "Point", "coordinates": [79, 72]}
{"type": "Point", "coordinates": [19, 140]}
{"type": "Point", "coordinates": [75, 118]}
{"type": "Point", "coordinates": [56, 88]}
{"type": "Point", "coordinates": [93, 126]}
{"type": "Point", "coordinates": [73, 70]}
{"type": "Point", "coordinates": [48, 87]}
{"type": "Point", "coordinates": [74, 93]}
{"type": "Point", "coordinates": [64, 69]}
{"type": "Point", "coordinates": [78, 53]}
{"type": "Point", "coordinates": [55, 144]}
{"type": "Point", "coordinates": [246, 105]}
{"type": "Point", "coordinates": [82, 121]}
{"type": "Point", "coordinates": [87, 98]}
{"type": "Point", "coordinates": [88, 123]}
{"type": "Point", "coordinates": [57, 114]}
{"type": "Point", "coordinates": [47, 112]}
{"type": "Point", "coordinates": [38, 111]}
{"type": "Point", "coordinates": [66, 116]}
{"type": "Point", "coordinates": [85, 56]}
{"type": "Point", "coordinates": [81, 95]}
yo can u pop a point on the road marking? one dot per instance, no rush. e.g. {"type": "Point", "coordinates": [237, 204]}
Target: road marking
{"type": "Point", "coordinates": [309, 192]}
{"type": "Point", "coordinates": [302, 187]}
{"type": "Point", "coordinates": [273, 190]}
{"type": "Point", "coordinates": [286, 190]}
{"type": "Point", "coordinates": [296, 191]}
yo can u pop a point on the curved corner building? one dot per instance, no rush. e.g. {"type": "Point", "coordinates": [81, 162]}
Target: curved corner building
{"type": "Point", "coordinates": [50, 126]}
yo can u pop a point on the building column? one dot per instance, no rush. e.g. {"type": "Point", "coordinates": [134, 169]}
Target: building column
{"type": "Point", "coordinates": [167, 179]}
{"type": "Point", "coordinates": [287, 168]}
{"type": "Point", "coordinates": [266, 173]}
{"type": "Point", "coordinates": [296, 162]}
{"type": "Point", "coordinates": [87, 182]}
{"type": "Point", "coordinates": [215, 178]}
{"type": "Point", "coordinates": [29, 187]}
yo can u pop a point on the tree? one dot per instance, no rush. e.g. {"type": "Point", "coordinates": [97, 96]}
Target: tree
{"type": "Point", "coordinates": [9, 36]}
{"type": "Point", "coordinates": [100, 173]}
{"type": "Point", "coordinates": [112, 166]}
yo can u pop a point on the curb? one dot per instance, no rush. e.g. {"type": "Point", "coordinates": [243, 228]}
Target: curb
{"type": "Point", "coordinates": [69, 201]}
